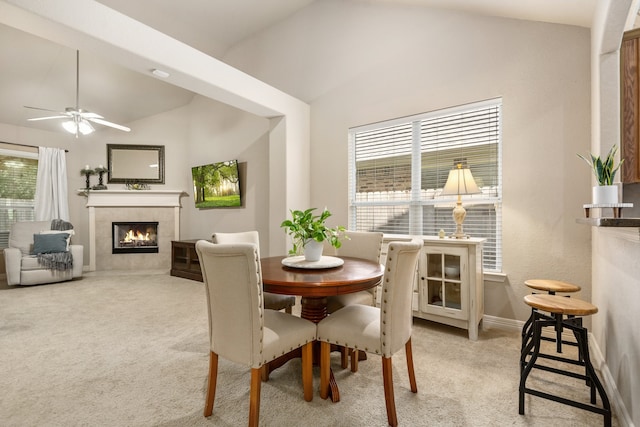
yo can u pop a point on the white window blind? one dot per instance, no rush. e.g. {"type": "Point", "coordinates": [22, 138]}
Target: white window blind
{"type": "Point", "coordinates": [397, 170]}
{"type": "Point", "coordinates": [18, 172]}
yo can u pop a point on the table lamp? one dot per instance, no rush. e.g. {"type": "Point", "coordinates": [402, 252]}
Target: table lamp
{"type": "Point", "coordinates": [460, 182]}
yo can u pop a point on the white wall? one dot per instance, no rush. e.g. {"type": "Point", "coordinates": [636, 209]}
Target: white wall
{"type": "Point", "coordinates": [616, 293]}
{"type": "Point", "coordinates": [219, 133]}
{"type": "Point", "coordinates": [358, 63]}
{"type": "Point", "coordinates": [615, 251]}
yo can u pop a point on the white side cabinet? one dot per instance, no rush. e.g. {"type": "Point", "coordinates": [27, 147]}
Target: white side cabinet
{"type": "Point", "coordinates": [449, 285]}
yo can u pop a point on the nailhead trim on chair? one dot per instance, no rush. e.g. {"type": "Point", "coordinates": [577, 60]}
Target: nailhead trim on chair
{"type": "Point", "coordinates": [384, 302]}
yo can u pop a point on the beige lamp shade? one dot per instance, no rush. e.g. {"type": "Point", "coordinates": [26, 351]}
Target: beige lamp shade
{"type": "Point", "coordinates": [460, 181]}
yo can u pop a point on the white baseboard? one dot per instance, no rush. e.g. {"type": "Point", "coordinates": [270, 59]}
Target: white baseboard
{"type": "Point", "coordinates": [493, 322]}
{"type": "Point", "coordinates": [617, 404]}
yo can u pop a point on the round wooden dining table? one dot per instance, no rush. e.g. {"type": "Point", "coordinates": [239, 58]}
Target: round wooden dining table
{"type": "Point", "coordinates": [315, 285]}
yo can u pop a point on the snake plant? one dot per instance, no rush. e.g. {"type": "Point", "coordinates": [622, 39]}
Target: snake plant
{"type": "Point", "coordinates": [604, 170]}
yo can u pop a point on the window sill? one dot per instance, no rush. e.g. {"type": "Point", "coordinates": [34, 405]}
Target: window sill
{"type": "Point", "coordinates": [495, 277]}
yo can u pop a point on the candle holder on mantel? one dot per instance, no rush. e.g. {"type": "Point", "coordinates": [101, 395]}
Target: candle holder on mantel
{"type": "Point", "coordinates": [100, 170]}
{"type": "Point", "coordinates": [87, 172]}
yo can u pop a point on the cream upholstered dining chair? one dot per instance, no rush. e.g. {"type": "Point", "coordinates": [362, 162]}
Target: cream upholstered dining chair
{"type": "Point", "coordinates": [359, 244]}
{"type": "Point", "coordinates": [241, 330]}
{"type": "Point", "coordinates": [271, 301]}
{"type": "Point", "coordinates": [381, 330]}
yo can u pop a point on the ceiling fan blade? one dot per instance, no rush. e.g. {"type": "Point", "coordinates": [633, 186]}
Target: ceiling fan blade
{"type": "Point", "coordinates": [43, 109]}
{"type": "Point", "coordinates": [35, 119]}
{"type": "Point", "coordinates": [106, 123]}
{"type": "Point", "coordinates": [90, 115]}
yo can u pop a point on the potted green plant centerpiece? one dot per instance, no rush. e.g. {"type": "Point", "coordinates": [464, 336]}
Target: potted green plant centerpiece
{"type": "Point", "coordinates": [308, 231]}
{"type": "Point", "coordinates": [605, 171]}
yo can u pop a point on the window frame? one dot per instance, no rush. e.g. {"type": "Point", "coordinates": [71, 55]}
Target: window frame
{"type": "Point", "coordinates": [415, 202]}
{"type": "Point", "coordinates": [4, 234]}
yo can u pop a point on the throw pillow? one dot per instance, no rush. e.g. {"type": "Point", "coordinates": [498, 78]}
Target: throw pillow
{"type": "Point", "coordinates": [69, 232]}
{"type": "Point", "coordinates": [49, 243]}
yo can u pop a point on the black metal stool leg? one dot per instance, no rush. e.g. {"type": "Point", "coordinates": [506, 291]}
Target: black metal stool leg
{"type": "Point", "coordinates": [526, 329]}
{"type": "Point", "coordinates": [558, 328]}
{"type": "Point", "coordinates": [528, 366]}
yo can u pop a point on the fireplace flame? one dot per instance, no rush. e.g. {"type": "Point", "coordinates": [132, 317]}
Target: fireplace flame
{"type": "Point", "coordinates": [136, 237]}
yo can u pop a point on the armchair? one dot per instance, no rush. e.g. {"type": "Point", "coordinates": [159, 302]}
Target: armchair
{"type": "Point", "coordinates": [23, 268]}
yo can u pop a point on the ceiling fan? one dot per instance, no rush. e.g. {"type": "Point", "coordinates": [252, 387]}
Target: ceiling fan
{"type": "Point", "coordinates": [78, 120]}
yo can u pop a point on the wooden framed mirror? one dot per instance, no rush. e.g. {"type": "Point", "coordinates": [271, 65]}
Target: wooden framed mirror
{"type": "Point", "coordinates": [135, 164]}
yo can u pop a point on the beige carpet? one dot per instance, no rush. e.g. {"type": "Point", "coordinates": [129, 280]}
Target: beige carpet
{"type": "Point", "coordinates": [132, 350]}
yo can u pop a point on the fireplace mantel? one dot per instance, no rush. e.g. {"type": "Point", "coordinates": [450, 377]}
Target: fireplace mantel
{"type": "Point", "coordinates": [127, 200]}
{"type": "Point", "coordinates": [134, 198]}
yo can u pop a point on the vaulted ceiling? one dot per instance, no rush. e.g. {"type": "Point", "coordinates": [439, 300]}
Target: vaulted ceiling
{"type": "Point", "coordinates": [39, 73]}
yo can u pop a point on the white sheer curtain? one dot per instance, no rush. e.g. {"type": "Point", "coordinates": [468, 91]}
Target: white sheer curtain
{"type": "Point", "coordinates": [51, 199]}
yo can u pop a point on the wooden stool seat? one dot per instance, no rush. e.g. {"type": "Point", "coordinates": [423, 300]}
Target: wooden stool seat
{"type": "Point", "coordinates": [551, 286]}
{"type": "Point", "coordinates": [560, 305]}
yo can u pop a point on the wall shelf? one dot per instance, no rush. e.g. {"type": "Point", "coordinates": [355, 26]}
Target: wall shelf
{"type": "Point", "coordinates": [610, 222]}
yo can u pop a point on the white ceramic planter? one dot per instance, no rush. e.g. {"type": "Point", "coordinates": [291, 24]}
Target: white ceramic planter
{"type": "Point", "coordinates": [313, 250]}
{"type": "Point", "coordinates": [605, 194]}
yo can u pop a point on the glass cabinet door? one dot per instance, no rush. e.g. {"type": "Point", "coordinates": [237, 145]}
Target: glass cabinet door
{"type": "Point", "coordinates": [442, 279]}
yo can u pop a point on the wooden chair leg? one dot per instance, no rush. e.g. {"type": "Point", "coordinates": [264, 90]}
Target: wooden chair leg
{"type": "Point", "coordinates": [307, 371]}
{"type": "Point", "coordinates": [325, 361]}
{"type": "Point", "coordinates": [288, 310]}
{"type": "Point", "coordinates": [254, 399]}
{"type": "Point", "coordinates": [387, 379]}
{"type": "Point", "coordinates": [412, 375]}
{"type": "Point", "coordinates": [211, 386]}
{"type": "Point", "coordinates": [344, 357]}
{"type": "Point", "coordinates": [354, 360]}
{"type": "Point", "coordinates": [264, 372]}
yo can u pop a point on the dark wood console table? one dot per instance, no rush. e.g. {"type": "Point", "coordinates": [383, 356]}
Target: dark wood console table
{"type": "Point", "coordinates": [184, 260]}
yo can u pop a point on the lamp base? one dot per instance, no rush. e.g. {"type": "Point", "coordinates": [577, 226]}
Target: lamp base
{"type": "Point", "coordinates": [459, 236]}
{"type": "Point", "coordinates": [459, 213]}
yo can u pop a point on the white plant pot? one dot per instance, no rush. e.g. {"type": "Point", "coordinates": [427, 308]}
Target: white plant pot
{"type": "Point", "coordinates": [605, 194]}
{"type": "Point", "coordinates": [313, 250]}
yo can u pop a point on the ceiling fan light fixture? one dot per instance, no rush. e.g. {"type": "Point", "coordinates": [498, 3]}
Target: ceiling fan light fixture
{"type": "Point", "coordinates": [82, 126]}
{"type": "Point", "coordinates": [85, 127]}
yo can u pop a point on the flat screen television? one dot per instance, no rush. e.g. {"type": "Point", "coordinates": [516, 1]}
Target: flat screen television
{"type": "Point", "coordinates": [216, 185]}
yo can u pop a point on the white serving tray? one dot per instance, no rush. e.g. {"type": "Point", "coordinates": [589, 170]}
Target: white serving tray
{"type": "Point", "coordinates": [323, 262]}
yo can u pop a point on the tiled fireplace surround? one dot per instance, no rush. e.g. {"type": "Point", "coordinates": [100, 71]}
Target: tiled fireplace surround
{"type": "Point", "coordinates": [107, 206]}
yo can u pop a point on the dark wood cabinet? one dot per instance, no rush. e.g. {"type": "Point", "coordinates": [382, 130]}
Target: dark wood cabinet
{"type": "Point", "coordinates": [630, 107]}
{"type": "Point", "coordinates": [184, 260]}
